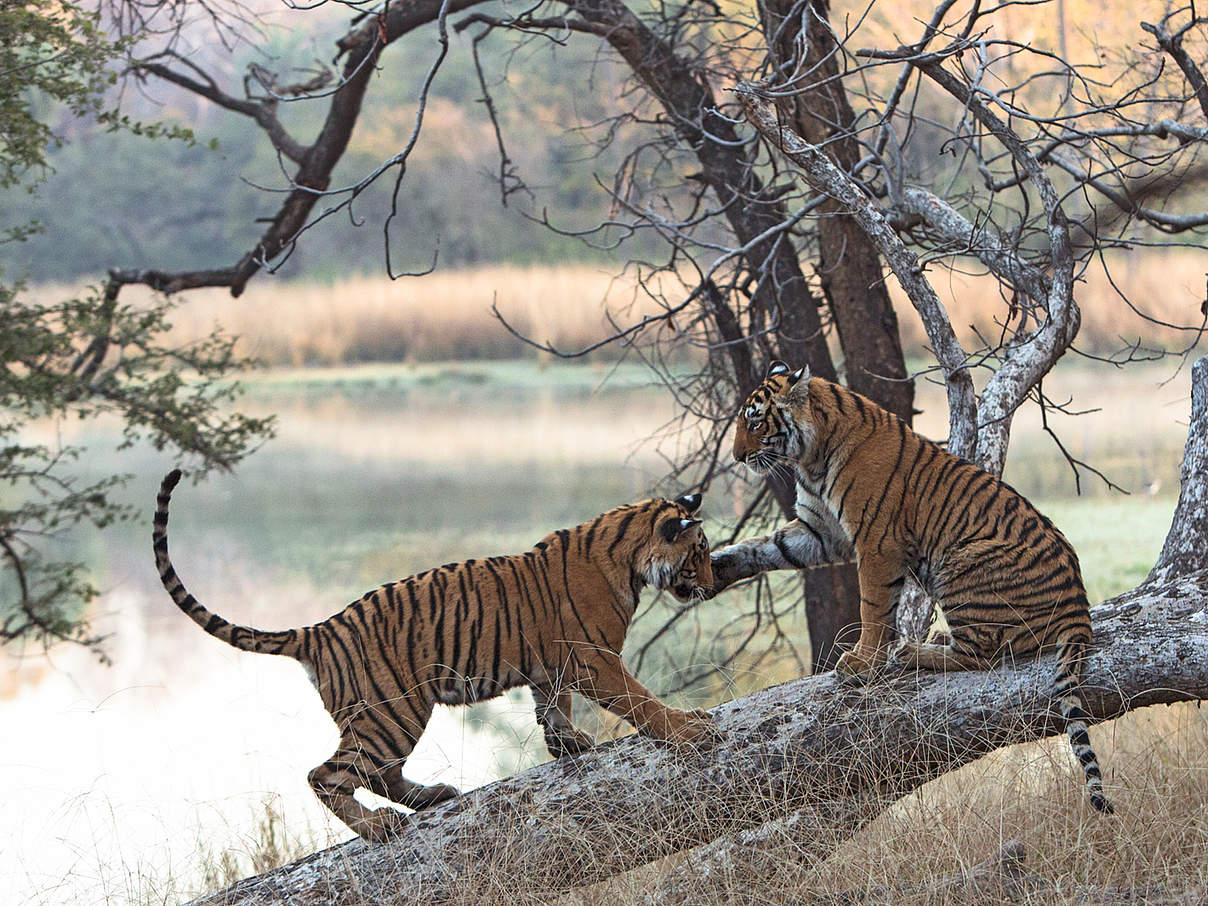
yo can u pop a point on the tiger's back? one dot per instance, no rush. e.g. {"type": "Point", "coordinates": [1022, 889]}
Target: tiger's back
{"type": "Point", "coordinates": [1008, 582]}
{"type": "Point", "coordinates": [553, 618]}
{"type": "Point", "coordinates": [997, 565]}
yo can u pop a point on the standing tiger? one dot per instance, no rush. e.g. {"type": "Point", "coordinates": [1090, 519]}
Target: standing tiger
{"type": "Point", "coordinates": [553, 618]}
{"type": "Point", "coordinates": [1006, 579]}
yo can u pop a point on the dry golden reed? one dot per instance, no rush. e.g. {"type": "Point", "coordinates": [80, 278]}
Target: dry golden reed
{"type": "Point", "coordinates": [1119, 305]}
{"type": "Point", "coordinates": [446, 316]}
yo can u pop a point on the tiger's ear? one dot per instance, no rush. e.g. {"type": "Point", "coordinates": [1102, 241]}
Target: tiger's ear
{"type": "Point", "coordinates": [799, 387]}
{"type": "Point", "coordinates": [777, 367]}
{"type": "Point", "coordinates": [690, 502]}
{"type": "Point", "coordinates": [673, 528]}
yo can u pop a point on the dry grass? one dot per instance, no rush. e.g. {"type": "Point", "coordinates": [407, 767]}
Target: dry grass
{"type": "Point", "coordinates": [274, 842]}
{"type": "Point", "coordinates": [1032, 793]}
{"type": "Point", "coordinates": [1155, 775]}
{"type": "Point", "coordinates": [447, 316]}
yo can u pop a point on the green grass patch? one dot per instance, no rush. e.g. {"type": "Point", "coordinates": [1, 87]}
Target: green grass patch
{"type": "Point", "coordinates": [1117, 539]}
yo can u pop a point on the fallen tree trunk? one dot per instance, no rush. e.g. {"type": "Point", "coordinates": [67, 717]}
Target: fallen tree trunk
{"type": "Point", "coordinates": [809, 744]}
{"type": "Point", "coordinates": [811, 758]}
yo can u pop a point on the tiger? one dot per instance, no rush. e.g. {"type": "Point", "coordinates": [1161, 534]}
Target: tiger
{"type": "Point", "coordinates": [553, 618]}
{"type": "Point", "coordinates": [1007, 582]}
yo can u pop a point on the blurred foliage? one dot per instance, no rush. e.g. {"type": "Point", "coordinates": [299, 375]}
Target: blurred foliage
{"type": "Point", "coordinates": [184, 205]}
{"type": "Point", "coordinates": [86, 357]}
{"type": "Point", "coordinates": [567, 113]}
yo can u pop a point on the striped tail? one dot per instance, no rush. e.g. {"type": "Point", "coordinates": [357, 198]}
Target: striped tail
{"type": "Point", "coordinates": [1069, 673]}
{"type": "Point", "coordinates": [241, 637]}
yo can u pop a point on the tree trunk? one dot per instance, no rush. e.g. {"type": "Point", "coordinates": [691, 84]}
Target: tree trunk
{"type": "Point", "coordinates": [1185, 542]}
{"type": "Point", "coordinates": [832, 612]}
{"type": "Point", "coordinates": [801, 41]}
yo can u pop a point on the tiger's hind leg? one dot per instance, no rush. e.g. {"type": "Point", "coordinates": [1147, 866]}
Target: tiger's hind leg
{"type": "Point", "coordinates": [931, 656]}
{"type": "Point", "coordinates": [417, 795]}
{"type": "Point", "coordinates": [553, 714]}
{"type": "Point", "coordinates": [353, 765]}
{"type": "Point", "coordinates": [335, 782]}
{"type": "Point", "coordinates": [949, 651]}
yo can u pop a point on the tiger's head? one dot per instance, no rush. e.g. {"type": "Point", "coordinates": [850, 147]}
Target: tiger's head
{"type": "Point", "coordinates": [678, 553]}
{"type": "Point", "coordinates": [773, 425]}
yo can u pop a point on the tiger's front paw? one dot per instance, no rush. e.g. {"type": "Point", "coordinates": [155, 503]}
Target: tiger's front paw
{"type": "Point", "coordinates": [725, 568]}
{"type": "Point", "coordinates": [693, 729]}
{"type": "Point", "coordinates": [856, 667]}
{"type": "Point", "coordinates": [567, 743]}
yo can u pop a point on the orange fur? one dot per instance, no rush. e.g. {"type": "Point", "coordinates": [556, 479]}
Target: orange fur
{"type": "Point", "coordinates": [1008, 582]}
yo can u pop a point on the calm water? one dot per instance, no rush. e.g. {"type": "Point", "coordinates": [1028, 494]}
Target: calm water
{"type": "Point", "coordinates": [122, 781]}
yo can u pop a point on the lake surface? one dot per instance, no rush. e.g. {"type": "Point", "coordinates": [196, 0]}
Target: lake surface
{"type": "Point", "coordinates": [125, 784]}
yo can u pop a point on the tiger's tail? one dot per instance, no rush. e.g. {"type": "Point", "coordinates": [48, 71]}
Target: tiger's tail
{"type": "Point", "coordinates": [1070, 655]}
{"type": "Point", "coordinates": [244, 638]}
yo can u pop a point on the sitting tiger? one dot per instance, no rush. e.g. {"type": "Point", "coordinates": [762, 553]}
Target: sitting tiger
{"type": "Point", "coordinates": [553, 618]}
{"type": "Point", "coordinates": [1005, 578]}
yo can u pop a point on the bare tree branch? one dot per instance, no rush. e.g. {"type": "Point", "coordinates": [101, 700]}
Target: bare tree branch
{"type": "Point", "coordinates": [1173, 45]}
{"type": "Point", "coordinates": [1029, 359]}
{"type": "Point", "coordinates": [982, 241]}
{"type": "Point", "coordinates": [263, 112]}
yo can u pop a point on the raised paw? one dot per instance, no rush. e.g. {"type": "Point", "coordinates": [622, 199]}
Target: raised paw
{"type": "Point", "coordinates": [725, 573]}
